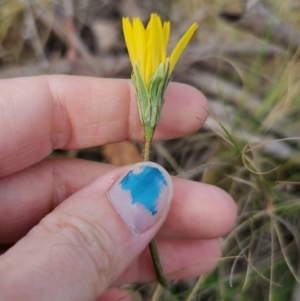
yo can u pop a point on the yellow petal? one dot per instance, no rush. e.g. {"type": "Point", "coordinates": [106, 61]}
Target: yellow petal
{"type": "Point", "coordinates": [180, 46]}
{"type": "Point", "coordinates": [154, 50]}
{"type": "Point", "coordinates": [140, 43]}
{"type": "Point", "coordinates": [166, 30]}
{"type": "Point", "coordinates": [151, 55]}
{"type": "Point", "coordinates": [160, 41]}
{"type": "Point", "coordinates": [129, 39]}
{"type": "Point", "coordinates": [148, 71]}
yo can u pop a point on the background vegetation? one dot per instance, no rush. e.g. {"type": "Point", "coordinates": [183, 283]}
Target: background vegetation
{"type": "Point", "coordinates": [245, 59]}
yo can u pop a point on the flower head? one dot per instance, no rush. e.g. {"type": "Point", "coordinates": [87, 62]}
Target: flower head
{"type": "Point", "coordinates": [152, 66]}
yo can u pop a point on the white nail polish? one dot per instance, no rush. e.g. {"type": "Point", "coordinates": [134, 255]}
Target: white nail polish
{"type": "Point", "coordinates": [141, 195]}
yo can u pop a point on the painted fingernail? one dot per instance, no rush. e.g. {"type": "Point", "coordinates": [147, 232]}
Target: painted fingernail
{"type": "Point", "coordinates": [141, 195]}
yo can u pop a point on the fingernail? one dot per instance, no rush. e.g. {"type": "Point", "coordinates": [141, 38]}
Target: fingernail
{"type": "Point", "coordinates": [142, 195]}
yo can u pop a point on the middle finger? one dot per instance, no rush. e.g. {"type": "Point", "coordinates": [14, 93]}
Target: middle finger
{"type": "Point", "coordinates": [198, 210]}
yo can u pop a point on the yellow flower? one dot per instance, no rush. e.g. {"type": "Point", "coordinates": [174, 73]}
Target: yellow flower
{"type": "Point", "coordinates": [152, 67]}
{"type": "Point", "coordinates": [148, 46]}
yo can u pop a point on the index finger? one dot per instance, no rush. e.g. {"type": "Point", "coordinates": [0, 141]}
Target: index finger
{"type": "Point", "coordinates": [40, 114]}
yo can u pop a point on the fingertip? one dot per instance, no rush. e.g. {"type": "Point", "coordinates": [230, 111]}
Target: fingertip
{"type": "Point", "coordinates": [227, 210]}
{"type": "Point", "coordinates": [198, 257]}
{"type": "Point", "coordinates": [199, 210]}
{"type": "Point", "coordinates": [185, 110]}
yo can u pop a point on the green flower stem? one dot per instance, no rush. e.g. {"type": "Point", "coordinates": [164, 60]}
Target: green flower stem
{"type": "Point", "coordinates": [157, 265]}
{"type": "Point", "coordinates": [148, 134]}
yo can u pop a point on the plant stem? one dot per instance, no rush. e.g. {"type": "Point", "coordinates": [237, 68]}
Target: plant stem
{"type": "Point", "coordinates": [148, 134]}
{"type": "Point", "coordinates": [157, 265]}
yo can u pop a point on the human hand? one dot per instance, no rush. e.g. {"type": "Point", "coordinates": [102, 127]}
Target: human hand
{"type": "Point", "coordinates": [69, 241]}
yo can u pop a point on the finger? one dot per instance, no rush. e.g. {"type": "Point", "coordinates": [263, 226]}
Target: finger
{"type": "Point", "coordinates": [180, 259]}
{"type": "Point", "coordinates": [115, 294]}
{"type": "Point", "coordinates": [29, 195]}
{"type": "Point", "coordinates": [55, 112]}
{"type": "Point", "coordinates": [197, 211]}
{"type": "Point", "coordinates": [85, 244]}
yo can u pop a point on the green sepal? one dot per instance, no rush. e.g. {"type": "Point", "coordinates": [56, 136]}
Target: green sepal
{"type": "Point", "coordinates": [151, 100]}
{"type": "Point", "coordinates": [157, 88]}
{"type": "Point", "coordinates": [142, 94]}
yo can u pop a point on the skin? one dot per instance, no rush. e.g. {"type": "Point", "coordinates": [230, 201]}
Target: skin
{"type": "Point", "coordinates": [55, 211]}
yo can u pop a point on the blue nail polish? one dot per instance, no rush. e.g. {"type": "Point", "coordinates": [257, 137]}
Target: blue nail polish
{"type": "Point", "coordinates": [141, 195]}
{"type": "Point", "coordinates": [145, 187]}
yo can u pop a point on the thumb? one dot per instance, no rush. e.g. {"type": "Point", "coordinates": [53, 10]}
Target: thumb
{"type": "Point", "coordinates": [80, 248]}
